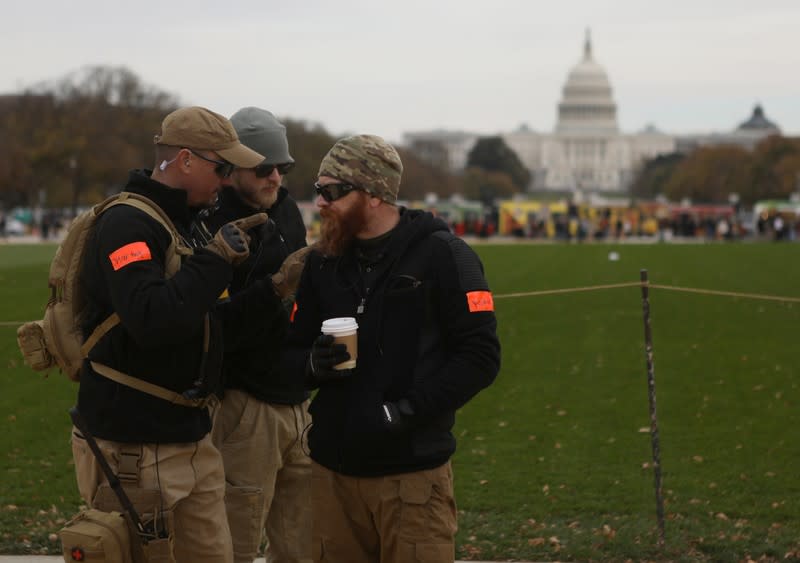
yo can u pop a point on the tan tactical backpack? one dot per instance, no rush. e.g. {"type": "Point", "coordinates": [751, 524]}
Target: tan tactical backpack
{"type": "Point", "coordinates": [56, 341]}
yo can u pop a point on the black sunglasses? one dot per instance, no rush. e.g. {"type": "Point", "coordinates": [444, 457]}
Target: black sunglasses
{"type": "Point", "coordinates": [332, 192]}
{"type": "Point", "coordinates": [223, 169]}
{"type": "Point", "coordinates": [264, 170]}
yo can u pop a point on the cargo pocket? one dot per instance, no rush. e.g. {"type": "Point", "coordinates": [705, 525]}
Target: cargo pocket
{"type": "Point", "coordinates": [415, 493]}
{"type": "Point", "coordinates": [243, 506]}
{"type": "Point", "coordinates": [86, 471]}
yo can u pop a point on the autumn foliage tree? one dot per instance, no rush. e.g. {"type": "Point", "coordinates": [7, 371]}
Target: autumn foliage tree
{"type": "Point", "coordinates": [712, 173]}
{"type": "Point", "coordinates": [309, 142]}
{"type": "Point", "coordinates": [421, 178]}
{"type": "Point", "coordinates": [776, 169]}
{"type": "Point", "coordinates": [73, 139]}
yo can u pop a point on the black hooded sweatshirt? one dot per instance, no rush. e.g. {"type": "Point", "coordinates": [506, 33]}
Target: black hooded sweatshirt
{"type": "Point", "coordinates": [251, 365]}
{"type": "Point", "coordinates": [161, 331]}
{"type": "Point", "coordinates": [427, 333]}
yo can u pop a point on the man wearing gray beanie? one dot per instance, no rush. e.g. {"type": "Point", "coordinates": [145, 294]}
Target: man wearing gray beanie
{"type": "Point", "coordinates": [426, 343]}
{"type": "Point", "coordinates": [262, 417]}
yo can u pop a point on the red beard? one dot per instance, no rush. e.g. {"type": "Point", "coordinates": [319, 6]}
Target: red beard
{"type": "Point", "coordinates": [338, 229]}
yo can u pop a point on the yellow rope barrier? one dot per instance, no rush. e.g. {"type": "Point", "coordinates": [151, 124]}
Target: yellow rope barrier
{"type": "Point", "coordinates": [652, 285]}
{"type": "Point", "coordinates": [566, 290]}
{"type": "Point", "coordinates": [728, 293]}
{"type": "Point", "coordinates": [612, 286]}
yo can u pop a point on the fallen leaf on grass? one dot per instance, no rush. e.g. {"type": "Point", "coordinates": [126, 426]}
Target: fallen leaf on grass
{"type": "Point", "coordinates": [697, 458]}
{"type": "Point", "coordinates": [721, 516]}
{"type": "Point", "coordinates": [607, 532]}
{"type": "Point", "coordinates": [536, 542]}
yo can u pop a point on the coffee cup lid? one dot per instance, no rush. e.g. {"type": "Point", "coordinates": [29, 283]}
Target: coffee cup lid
{"type": "Point", "coordinates": [339, 325]}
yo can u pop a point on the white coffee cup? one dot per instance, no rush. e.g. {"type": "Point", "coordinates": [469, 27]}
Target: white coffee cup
{"type": "Point", "coordinates": [344, 331]}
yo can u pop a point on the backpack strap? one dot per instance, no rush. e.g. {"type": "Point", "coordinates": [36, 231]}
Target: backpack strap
{"type": "Point", "coordinates": [175, 252]}
{"type": "Point", "coordinates": [178, 248]}
{"type": "Point", "coordinates": [98, 333]}
{"type": "Point", "coordinates": [149, 388]}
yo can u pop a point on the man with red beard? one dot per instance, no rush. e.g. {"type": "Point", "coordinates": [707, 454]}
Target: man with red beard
{"type": "Point", "coordinates": [262, 417]}
{"type": "Point", "coordinates": [381, 437]}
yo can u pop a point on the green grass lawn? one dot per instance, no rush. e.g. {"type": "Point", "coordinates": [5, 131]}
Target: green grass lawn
{"type": "Point", "coordinates": [552, 462]}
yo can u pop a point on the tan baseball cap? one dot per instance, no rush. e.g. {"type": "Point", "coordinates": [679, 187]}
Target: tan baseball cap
{"type": "Point", "coordinates": [201, 129]}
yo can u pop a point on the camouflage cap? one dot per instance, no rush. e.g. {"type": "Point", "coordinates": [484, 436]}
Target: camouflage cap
{"type": "Point", "coordinates": [367, 162]}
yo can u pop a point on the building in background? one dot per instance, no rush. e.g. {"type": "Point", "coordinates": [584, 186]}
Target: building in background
{"type": "Point", "coordinates": [586, 154]}
{"type": "Point", "coordinates": [746, 135]}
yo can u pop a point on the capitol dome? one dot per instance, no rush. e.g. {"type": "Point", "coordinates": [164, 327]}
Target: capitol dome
{"type": "Point", "coordinates": [587, 106]}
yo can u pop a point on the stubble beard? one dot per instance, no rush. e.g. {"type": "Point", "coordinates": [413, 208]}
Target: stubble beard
{"type": "Point", "coordinates": [257, 197]}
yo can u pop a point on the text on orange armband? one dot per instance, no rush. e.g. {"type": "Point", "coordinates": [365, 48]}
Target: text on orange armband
{"type": "Point", "coordinates": [480, 301]}
{"type": "Point", "coordinates": [133, 252]}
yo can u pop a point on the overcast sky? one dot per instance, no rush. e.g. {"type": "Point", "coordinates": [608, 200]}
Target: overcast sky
{"type": "Point", "coordinates": [409, 65]}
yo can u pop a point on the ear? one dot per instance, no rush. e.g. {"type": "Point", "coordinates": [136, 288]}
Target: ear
{"type": "Point", "coordinates": [374, 201]}
{"type": "Point", "coordinates": [184, 160]}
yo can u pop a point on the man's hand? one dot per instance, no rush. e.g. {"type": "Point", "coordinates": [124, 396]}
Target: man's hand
{"type": "Point", "coordinates": [231, 241]}
{"type": "Point", "coordinates": [324, 355]}
{"type": "Point", "coordinates": [397, 416]}
{"type": "Point", "coordinates": [286, 279]}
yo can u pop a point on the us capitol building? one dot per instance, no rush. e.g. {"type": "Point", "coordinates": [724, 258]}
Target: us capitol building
{"type": "Point", "coordinates": [586, 153]}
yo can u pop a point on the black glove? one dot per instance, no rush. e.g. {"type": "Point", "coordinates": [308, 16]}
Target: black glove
{"type": "Point", "coordinates": [397, 416]}
{"type": "Point", "coordinates": [324, 355]}
{"type": "Point", "coordinates": [264, 233]}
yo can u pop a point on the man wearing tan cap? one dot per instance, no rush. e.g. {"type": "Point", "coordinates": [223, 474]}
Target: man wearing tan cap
{"type": "Point", "coordinates": [157, 290]}
{"type": "Point", "coordinates": [381, 435]}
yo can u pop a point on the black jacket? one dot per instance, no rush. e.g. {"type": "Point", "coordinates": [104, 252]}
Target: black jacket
{"type": "Point", "coordinates": [251, 366]}
{"type": "Point", "coordinates": [160, 335]}
{"type": "Point", "coordinates": [418, 339]}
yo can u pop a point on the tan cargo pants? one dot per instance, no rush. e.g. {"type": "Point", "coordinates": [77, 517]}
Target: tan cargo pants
{"type": "Point", "coordinates": [405, 518]}
{"type": "Point", "coordinates": [192, 485]}
{"type": "Point", "coordinates": [268, 477]}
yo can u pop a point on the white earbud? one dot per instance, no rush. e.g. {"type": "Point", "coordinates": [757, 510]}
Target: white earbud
{"type": "Point", "coordinates": [165, 163]}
